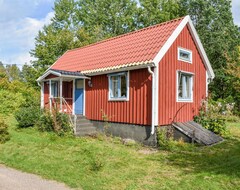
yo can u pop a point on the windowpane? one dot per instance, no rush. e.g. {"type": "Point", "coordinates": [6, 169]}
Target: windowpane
{"type": "Point", "coordinates": [184, 86]}
{"type": "Point", "coordinates": [79, 84]}
{"type": "Point", "coordinates": [180, 93]}
{"type": "Point", "coordinates": [118, 86]}
{"type": "Point", "coordinates": [114, 80]}
{"type": "Point", "coordinates": [185, 55]}
{"type": "Point", "coordinates": [123, 86]}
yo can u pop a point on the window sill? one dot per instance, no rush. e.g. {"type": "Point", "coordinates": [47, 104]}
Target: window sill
{"type": "Point", "coordinates": [185, 60]}
{"type": "Point", "coordinates": [118, 99]}
{"type": "Point", "coordinates": [184, 100]}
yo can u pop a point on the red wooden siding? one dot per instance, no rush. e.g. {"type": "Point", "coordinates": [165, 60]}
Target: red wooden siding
{"type": "Point", "coordinates": [135, 111]}
{"type": "Point", "coordinates": [67, 93]}
{"type": "Point", "coordinates": [46, 94]}
{"type": "Point", "coordinates": [168, 106]}
{"type": "Point", "coordinates": [51, 76]}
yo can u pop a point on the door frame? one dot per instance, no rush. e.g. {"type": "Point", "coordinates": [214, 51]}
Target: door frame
{"type": "Point", "coordinates": [84, 96]}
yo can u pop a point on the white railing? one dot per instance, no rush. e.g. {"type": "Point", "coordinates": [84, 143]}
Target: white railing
{"type": "Point", "coordinates": [66, 108]}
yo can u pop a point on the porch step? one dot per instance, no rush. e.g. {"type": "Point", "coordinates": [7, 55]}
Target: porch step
{"type": "Point", "coordinates": [84, 127]}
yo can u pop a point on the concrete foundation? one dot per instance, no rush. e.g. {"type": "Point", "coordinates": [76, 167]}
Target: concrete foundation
{"type": "Point", "coordinates": [138, 133]}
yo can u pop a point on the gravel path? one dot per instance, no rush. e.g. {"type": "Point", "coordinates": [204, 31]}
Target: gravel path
{"type": "Point", "coordinates": [11, 179]}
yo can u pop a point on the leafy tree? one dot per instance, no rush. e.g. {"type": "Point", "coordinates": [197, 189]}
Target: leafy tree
{"type": "Point", "coordinates": [220, 37]}
{"type": "Point", "coordinates": [29, 75]}
{"type": "Point", "coordinates": [13, 72]}
{"type": "Point", "coordinates": [78, 23]}
{"type": "Point", "coordinates": [156, 11]}
{"type": "Point", "coordinates": [50, 44]}
{"type": "Point", "coordinates": [2, 70]}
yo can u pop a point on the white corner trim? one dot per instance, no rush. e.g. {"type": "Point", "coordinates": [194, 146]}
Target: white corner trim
{"type": "Point", "coordinates": [201, 49]}
{"type": "Point", "coordinates": [42, 95]}
{"type": "Point", "coordinates": [73, 100]}
{"type": "Point", "coordinates": [84, 96]}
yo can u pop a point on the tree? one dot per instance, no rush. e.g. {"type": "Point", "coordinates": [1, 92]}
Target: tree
{"type": "Point", "coordinates": [2, 70]}
{"type": "Point", "coordinates": [29, 75]}
{"type": "Point", "coordinates": [13, 72]}
{"type": "Point", "coordinates": [78, 23]}
{"type": "Point", "coordinates": [220, 37]}
{"type": "Point", "coordinates": [50, 44]}
{"type": "Point", "coordinates": [157, 11]}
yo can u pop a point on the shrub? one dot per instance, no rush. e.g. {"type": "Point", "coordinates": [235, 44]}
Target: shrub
{"type": "Point", "coordinates": [45, 122]}
{"type": "Point", "coordinates": [56, 122]}
{"type": "Point", "coordinates": [4, 135]}
{"type": "Point", "coordinates": [211, 117]}
{"type": "Point", "coordinates": [27, 116]}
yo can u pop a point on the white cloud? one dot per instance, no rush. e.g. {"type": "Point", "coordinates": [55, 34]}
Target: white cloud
{"type": "Point", "coordinates": [17, 38]}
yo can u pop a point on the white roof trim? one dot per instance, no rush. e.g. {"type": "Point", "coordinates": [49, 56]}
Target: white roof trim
{"type": "Point", "coordinates": [117, 67]}
{"type": "Point", "coordinates": [173, 37]}
{"type": "Point", "coordinates": [201, 49]}
{"type": "Point", "coordinates": [48, 72]}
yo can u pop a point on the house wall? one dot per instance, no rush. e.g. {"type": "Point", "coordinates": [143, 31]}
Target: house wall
{"type": "Point", "coordinates": [46, 95]}
{"type": "Point", "coordinates": [168, 106]}
{"type": "Point", "coordinates": [67, 93]}
{"type": "Point", "coordinates": [135, 111]}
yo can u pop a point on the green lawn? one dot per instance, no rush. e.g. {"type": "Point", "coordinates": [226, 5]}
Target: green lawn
{"type": "Point", "coordinates": [105, 163]}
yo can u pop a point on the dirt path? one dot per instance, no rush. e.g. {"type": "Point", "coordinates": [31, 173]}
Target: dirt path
{"type": "Point", "coordinates": [11, 179]}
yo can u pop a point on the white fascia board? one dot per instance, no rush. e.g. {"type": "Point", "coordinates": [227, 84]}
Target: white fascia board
{"type": "Point", "coordinates": [48, 73]}
{"type": "Point", "coordinates": [143, 66]}
{"type": "Point", "coordinates": [170, 40]}
{"type": "Point", "coordinates": [76, 77]}
{"type": "Point", "coordinates": [173, 37]}
{"type": "Point", "coordinates": [201, 49]}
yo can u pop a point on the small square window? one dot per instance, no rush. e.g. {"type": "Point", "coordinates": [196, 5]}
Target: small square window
{"type": "Point", "coordinates": [118, 86]}
{"type": "Point", "coordinates": [184, 86]}
{"type": "Point", "coordinates": [184, 55]}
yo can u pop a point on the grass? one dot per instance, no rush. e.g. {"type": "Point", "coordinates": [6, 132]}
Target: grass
{"type": "Point", "coordinates": [105, 163]}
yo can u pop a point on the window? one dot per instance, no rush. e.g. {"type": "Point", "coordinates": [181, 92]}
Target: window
{"type": "Point", "coordinates": [54, 89]}
{"type": "Point", "coordinates": [184, 86]}
{"type": "Point", "coordinates": [184, 55]}
{"type": "Point", "coordinates": [118, 86]}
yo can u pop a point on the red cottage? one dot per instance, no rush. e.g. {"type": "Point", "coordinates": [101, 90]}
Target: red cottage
{"type": "Point", "coordinates": [136, 81]}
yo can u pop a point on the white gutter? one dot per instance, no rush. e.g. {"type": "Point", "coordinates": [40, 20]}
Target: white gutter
{"type": "Point", "coordinates": [153, 100]}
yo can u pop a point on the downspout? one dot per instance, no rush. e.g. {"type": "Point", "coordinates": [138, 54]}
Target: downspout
{"type": "Point", "coordinates": [153, 100]}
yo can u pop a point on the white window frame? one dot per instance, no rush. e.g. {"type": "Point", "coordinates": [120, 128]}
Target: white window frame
{"type": "Point", "coordinates": [110, 98]}
{"type": "Point", "coordinates": [179, 99]}
{"type": "Point", "coordinates": [186, 51]}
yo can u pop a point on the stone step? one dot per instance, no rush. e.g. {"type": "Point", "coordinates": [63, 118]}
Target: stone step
{"type": "Point", "coordinates": [82, 121]}
{"type": "Point", "coordinates": [81, 125]}
{"type": "Point", "coordinates": [86, 131]}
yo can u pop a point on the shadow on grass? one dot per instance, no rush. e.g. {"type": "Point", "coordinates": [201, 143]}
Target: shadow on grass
{"type": "Point", "coordinates": [223, 158]}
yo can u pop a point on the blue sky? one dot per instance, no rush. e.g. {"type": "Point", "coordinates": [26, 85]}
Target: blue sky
{"type": "Point", "coordinates": [20, 21]}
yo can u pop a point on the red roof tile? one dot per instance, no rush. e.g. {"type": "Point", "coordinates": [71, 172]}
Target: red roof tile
{"type": "Point", "coordinates": [136, 47]}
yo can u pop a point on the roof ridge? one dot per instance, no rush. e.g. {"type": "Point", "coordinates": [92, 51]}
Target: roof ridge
{"type": "Point", "coordinates": [126, 34]}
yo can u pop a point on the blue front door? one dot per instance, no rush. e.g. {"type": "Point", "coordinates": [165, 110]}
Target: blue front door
{"type": "Point", "coordinates": [79, 96]}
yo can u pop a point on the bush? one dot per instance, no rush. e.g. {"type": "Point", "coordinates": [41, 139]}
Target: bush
{"type": "Point", "coordinates": [212, 118]}
{"type": "Point", "coordinates": [4, 135]}
{"type": "Point", "coordinates": [27, 116]}
{"type": "Point", "coordinates": [56, 122]}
